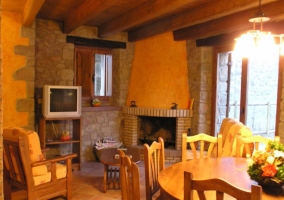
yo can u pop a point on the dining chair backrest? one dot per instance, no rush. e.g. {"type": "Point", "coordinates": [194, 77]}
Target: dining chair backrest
{"type": "Point", "coordinates": [249, 144]}
{"type": "Point", "coordinates": [129, 178]}
{"type": "Point", "coordinates": [220, 186]}
{"type": "Point", "coordinates": [198, 142]}
{"type": "Point", "coordinates": [154, 159]}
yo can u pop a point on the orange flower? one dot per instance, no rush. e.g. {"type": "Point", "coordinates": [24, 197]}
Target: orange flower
{"type": "Point", "coordinates": [269, 170]}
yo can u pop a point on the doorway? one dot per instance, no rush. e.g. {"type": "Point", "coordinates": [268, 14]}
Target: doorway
{"type": "Point", "coordinates": [247, 90]}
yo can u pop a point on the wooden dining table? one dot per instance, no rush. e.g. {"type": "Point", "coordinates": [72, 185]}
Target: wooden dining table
{"type": "Point", "coordinates": [231, 169]}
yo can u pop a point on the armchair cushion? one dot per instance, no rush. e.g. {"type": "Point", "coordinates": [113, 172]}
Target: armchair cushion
{"type": "Point", "coordinates": [45, 178]}
{"type": "Point", "coordinates": [13, 133]}
{"type": "Point", "coordinates": [61, 170]}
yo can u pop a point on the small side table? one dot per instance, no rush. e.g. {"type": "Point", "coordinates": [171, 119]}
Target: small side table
{"type": "Point", "coordinates": [107, 157]}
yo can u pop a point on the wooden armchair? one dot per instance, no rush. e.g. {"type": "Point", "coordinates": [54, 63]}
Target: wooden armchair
{"type": "Point", "coordinates": [26, 169]}
{"type": "Point", "coordinates": [201, 138]}
{"type": "Point", "coordinates": [129, 178]}
{"type": "Point", "coordinates": [220, 187]}
{"type": "Point", "coordinates": [154, 158]}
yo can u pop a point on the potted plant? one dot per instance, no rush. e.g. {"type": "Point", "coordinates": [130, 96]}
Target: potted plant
{"type": "Point", "coordinates": [65, 136]}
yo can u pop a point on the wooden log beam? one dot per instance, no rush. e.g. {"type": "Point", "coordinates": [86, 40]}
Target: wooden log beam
{"type": "Point", "coordinates": [88, 10]}
{"type": "Point", "coordinates": [229, 38]}
{"type": "Point", "coordinates": [30, 11]}
{"type": "Point", "coordinates": [201, 14]}
{"type": "Point", "coordinates": [145, 12]}
{"type": "Point", "coordinates": [229, 23]}
{"type": "Point", "coordinates": [95, 42]}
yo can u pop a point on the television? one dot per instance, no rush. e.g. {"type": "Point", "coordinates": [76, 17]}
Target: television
{"type": "Point", "coordinates": [61, 101]}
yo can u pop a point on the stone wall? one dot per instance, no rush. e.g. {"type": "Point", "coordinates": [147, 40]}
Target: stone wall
{"type": "Point", "coordinates": [96, 125]}
{"type": "Point", "coordinates": [27, 74]}
{"type": "Point", "coordinates": [200, 86]}
{"type": "Point", "coordinates": [55, 66]}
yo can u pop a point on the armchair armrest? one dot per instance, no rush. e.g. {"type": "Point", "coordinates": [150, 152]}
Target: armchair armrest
{"type": "Point", "coordinates": [44, 150]}
{"type": "Point", "coordinates": [53, 160]}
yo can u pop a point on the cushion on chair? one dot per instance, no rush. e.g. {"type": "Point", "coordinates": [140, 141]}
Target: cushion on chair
{"type": "Point", "coordinates": [39, 170]}
{"type": "Point", "coordinates": [42, 178]}
{"type": "Point", "coordinates": [226, 127]}
{"type": "Point", "coordinates": [61, 171]}
{"type": "Point", "coordinates": [13, 133]}
{"type": "Point", "coordinates": [229, 148]}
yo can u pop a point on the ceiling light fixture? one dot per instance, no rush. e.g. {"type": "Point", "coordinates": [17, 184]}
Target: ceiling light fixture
{"type": "Point", "coordinates": [256, 41]}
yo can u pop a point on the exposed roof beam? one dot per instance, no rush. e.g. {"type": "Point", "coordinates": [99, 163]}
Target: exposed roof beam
{"type": "Point", "coordinates": [145, 12]}
{"type": "Point", "coordinates": [229, 38]}
{"type": "Point", "coordinates": [88, 10]}
{"type": "Point", "coordinates": [208, 11]}
{"type": "Point", "coordinates": [30, 11]}
{"type": "Point", "coordinates": [229, 23]}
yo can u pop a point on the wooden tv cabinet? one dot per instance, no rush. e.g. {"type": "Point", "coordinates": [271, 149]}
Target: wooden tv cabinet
{"type": "Point", "coordinates": [50, 140]}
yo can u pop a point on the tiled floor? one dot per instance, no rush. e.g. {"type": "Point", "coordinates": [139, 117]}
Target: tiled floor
{"type": "Point", "coordinates": [88, 183]}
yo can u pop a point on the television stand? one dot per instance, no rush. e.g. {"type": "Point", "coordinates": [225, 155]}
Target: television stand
{"type": "Point", "coordinates": [50, 130]}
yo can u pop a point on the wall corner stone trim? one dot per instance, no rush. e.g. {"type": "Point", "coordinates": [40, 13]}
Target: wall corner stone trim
{"type": "Point", "coordinates": [24, 50]}
{"type": "Point", "coordinates": [25, 105]}
{"type": "Point", "coordinates": [25, 73]}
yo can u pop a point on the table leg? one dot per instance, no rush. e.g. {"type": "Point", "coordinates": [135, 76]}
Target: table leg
{"type": "Point", "coordinates": [105, 178]}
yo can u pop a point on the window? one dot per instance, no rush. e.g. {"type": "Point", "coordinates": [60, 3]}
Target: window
{"type": "Point", "coordinates": [94, 73]}
{"type": "Point", "coordinates": [102, 76]}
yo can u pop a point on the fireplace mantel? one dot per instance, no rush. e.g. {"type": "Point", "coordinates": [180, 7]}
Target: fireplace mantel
{"type": "Point", "coordinates": [157, 112]}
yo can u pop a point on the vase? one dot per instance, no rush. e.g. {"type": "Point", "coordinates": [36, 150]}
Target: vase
{"type": "Point", "coordinates": [65, 137]}
{"type": "Point", "coordinates": [268, 183]}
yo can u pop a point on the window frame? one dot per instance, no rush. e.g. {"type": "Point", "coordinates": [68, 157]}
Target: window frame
{"type": "Point", "coordinates": [79, 76]}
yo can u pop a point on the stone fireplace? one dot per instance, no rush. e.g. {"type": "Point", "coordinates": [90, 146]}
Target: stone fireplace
{"type": "Point", "coordinates": [131, 124]}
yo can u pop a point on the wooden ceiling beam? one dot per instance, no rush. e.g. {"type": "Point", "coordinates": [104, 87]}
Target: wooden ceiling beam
{"type": "Point", "coordinates": [229, 23]}
{"type": "Point", "coordinates": [88, 10]}
{"type": "Point", "coordinates": [201, 14]}
{"type": "Point", "coordinates": [229, 38]}
{"type": "Point", "coordinates": [145, 12]}
{"type": "Point", "coordinates": [30, 11]}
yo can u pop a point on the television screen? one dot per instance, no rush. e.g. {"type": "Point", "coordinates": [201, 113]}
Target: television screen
{"type": "Point", "coordinates": [63, 100]}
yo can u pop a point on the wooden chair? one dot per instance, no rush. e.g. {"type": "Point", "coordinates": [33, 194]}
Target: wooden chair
{"type": "Point", "coordinates": [225, 126]}
{"type": "Point", "coordinates": [249, 144]}
{"type": "Point", "coordinates": [129, 178]}
{"type": "Point", "coordinates": [220, 186]}
{"type": "Point", "coordinates": [43, 178]}
{"type": "Point", "coordinates": [229, 146]}
{"type": "Point", "coordinates": [154, 158]}
{"type": "Point", "coordinates": [202, 139]}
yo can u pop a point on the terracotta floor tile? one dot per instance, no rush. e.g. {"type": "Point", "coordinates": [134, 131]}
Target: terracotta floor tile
{"type": "Point", "coordinates": [88, 184]}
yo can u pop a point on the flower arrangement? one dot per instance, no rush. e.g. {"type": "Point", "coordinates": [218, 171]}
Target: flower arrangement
{"type": "Point", "coordinates": [267, 167]}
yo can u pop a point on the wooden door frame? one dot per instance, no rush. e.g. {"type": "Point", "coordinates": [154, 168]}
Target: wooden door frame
{"type": "Point", "coordinates": [216, 50]}
{"type": "Point", "coordinates": [244, 98]}
{"type": "Point", "coordinates": [227, 48]}
{"type": "Point", "coordinates": [280, 79]}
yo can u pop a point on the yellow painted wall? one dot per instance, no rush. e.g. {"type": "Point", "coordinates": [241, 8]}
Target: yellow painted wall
{"type": "Point", "coordinates": [12, 89]}
{"type": "Point", "coordinates": [159, 73]}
